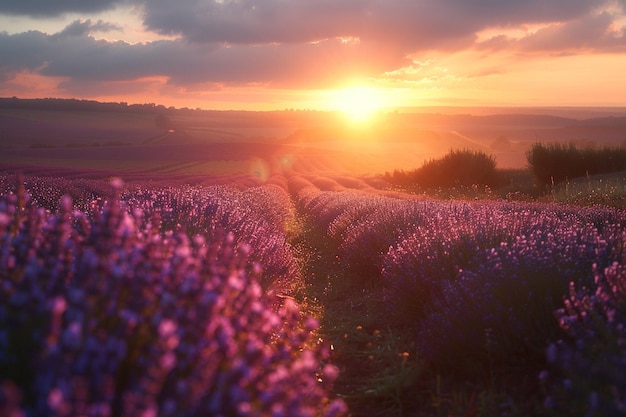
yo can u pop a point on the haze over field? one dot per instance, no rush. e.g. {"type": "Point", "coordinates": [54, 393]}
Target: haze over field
{"type": "Point", "coordinates": [149, 138]}
{"type": "Point", "coordinates": [351, 55]}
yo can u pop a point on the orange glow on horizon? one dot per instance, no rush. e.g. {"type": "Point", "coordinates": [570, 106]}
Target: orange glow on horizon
{"type": "Point", "coordinates": [596, 81]}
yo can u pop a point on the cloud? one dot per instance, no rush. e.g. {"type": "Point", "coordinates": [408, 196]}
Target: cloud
{"type": "Point", "coordinates": [594, 32]}
{"type": "Point", "coordinates": [47, 8]}
{"type": "Point", "coordinates": [414, 24]}
{"type": "Point", "coordinates": [296, 43]}
{"type": "Point", "coordinates": [72, 53]}
{"type": "Point", "coordinates": [408, 25]}
{"type": "Point", "coordinates": [588, 32]}
{"type": "Point", "coordinates": [85, 27]}
{"type": "Point", "coordinates": [256, 21]}
{"type": "Point", "coordinates": [24, 51]}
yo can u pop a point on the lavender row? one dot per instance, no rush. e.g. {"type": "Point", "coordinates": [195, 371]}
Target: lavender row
{"type": "Point", "coordinates": [259, 216]}
{"type": "Point", "coordinates": [479, 283]}
{"type": "Point", "coordinates": [46, 192]}
{"type": "Point", "coordinates": [108, 315]}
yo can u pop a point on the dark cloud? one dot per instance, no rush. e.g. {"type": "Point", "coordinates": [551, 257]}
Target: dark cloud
{"type": "Point", "coordinates": [594, 32]}
{"type": "Point", "coordinates": [71, 53]}
{"type": "Point", "coordinates": [47, 8]}
{"type": "Point", "coordinates": [513, 12]}
{"type": "Point", "coordinates": [85, 27]}
{"type": "Point", "coordinates": [24, 51]}
{"type": "Point", "coordinates": [416, 24]}
{"type": "Point", "coordinates": [585, 33]}
{"type": "Point", "coordinates": [256, 21]}
{"type": "Point", "coordinates": [408, 25]}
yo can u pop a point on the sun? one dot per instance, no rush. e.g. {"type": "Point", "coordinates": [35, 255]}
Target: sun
{"type": "Point", "coordinates": [359, 104]}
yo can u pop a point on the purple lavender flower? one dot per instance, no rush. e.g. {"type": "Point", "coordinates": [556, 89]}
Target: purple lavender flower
{"type": "Point", "coordinates": [111, 314]}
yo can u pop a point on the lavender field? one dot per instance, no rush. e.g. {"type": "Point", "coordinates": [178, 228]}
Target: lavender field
{"type": "Point", "coordinates": [312, 208]}
{"type": "Point", "coordinates": [304, 295]}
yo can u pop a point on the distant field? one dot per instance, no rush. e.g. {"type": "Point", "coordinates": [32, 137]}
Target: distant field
{"type": "Point", "coordinates": [204, 142]}
{"type": "Point", "coordinates": [195, 159]}
{"type": "Point", "coordinates": [24, 128]}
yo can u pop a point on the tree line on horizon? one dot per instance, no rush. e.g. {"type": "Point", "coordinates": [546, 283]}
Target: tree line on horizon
{"type": "Point", "coordinates": [549, 164]}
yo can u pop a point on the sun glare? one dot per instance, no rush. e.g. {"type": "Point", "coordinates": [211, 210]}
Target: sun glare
{"type": "Point", "coordinates": [359, 104]}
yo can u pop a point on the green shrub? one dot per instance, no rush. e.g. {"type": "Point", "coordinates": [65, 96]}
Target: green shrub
{"type": "Point", "coordinates": [555, 163]}
{"type": "Point", "coordinates": [457, 169]}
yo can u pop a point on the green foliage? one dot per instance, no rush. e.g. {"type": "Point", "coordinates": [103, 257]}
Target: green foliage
{"type": "Point", "coordinates": [555, 163]}
{"type": "Point", "coordinates": [458, 168]}
{"type": "Point", "coordinates": [605, 189]}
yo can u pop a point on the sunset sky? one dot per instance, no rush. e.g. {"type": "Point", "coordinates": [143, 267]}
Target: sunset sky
{"type": "Point", "coordinates": [316, 54]}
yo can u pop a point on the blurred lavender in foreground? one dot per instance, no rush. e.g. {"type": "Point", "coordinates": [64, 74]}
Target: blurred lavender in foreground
{"type": "Point", "coordinates": [106, 315]}
{"type": "Point", "coordinates": [589, 369]}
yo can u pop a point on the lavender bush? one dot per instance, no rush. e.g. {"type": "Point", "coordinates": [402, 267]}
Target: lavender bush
{"type": "Point", "coordinates": [588, 368]}
{"type": "Point", "coordinates": [368, 233]}
{"type": "Point", "coordinates": [358, 226]}
{"type": "Point", "coordinates": [482, 286]}
{"type": "Point", "coordinates": [46, 192]}
{"type": "Point", "coordinates": [258, 216]}
{"type": "Point", "coordinates": [106, 314]}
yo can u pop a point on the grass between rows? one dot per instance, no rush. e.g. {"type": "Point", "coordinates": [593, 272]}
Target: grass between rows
{"type": "Point", "coordinates": [377, 364]}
